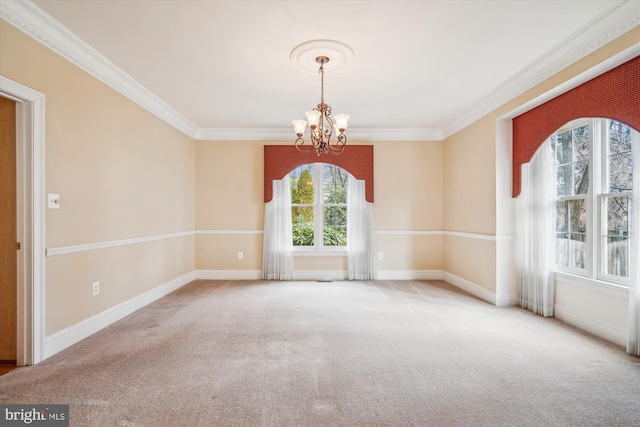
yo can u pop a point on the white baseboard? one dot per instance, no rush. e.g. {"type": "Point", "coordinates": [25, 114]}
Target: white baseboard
{"type": "Point", "coordinates": [477, 290]}
{"type": "Point", "coordinates": [228, 274]}
{"type": "Point", "coordinates": [409, 275]}
{"type": "Point", "coordinates": [500, 299]}
{"type": "Point", "coordinates": [67, 337]}
{"type": "Point", "coordinates": [595, 327]}
{"type": "Point", "coordinates": [504, 300]}
{"type": "Point", "coordinates": [318, 275]}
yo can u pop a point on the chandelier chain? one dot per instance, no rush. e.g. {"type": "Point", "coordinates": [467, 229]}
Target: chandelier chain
{"type": "Point", "coordinates": [322, 82]}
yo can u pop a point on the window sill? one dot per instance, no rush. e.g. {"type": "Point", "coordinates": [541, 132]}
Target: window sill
{"type": "Point", "coordinates": [319, 252]}
{"type": "Point", "coordinates": [592, 284]}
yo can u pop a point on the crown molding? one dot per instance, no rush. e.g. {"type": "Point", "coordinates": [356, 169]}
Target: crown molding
{"type": "Point", "coordinates": [400, 134]}
{"type": "Point", "coordinates": [244, 134]}
{"type": "Point", "coordinates": [33, 21]}
{"type": "Point", "coordinates": [613, 23]}
{"type": "Point", "coordinates": [604, 66]}
{"type": "Point", "coordinates": [285, 134]}
{"type": "Point", "coordinates": [36, 23]}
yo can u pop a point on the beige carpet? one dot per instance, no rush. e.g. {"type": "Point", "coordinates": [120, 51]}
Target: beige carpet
{"type": "Point", "coordinates": [383, 353]}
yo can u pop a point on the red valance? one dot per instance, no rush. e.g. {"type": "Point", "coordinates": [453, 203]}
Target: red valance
{"type": "Point", "coordinates": [614, 94]}
{"type": "Point", "coordinates": [282, 159]}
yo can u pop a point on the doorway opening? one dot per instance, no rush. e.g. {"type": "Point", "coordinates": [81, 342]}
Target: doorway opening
{"type": "Point", "coordinates": [30, 114]}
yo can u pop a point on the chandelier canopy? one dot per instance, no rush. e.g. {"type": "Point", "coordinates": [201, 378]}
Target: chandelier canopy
{"type": "Point", "coordinates": [322, 127]}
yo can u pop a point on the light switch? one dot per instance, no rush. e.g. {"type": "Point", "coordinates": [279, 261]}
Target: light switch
{"type": "Point", "coordinates": [54, 201]}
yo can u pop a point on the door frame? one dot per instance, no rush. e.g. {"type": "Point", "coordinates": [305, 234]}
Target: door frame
{"type": "Point", "coordinates": [30, 182]}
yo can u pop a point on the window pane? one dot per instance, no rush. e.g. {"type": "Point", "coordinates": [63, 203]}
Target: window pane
{"type": "Point", "coordinates": [581, 143]}
{"type": "Point", "coordinates": [334, 184]}
{"type": "Point", "coordinates": [302, 225]}
{"type": "Point", "coordinates": [616, 253]}
{"type": "Point", "coordinates": [564, 180]}
{"type": "Point", "coordinates": [571, 216]}
{"type": "Point", "coordinates": [301, 180]}
{"type": "Point", "coordinates": [617, 215]}
{"type": "Point", "coordinates": [571, 233]}
{"type": "Point", "coordinates": [619, 157]}
{"type": "Point", "coordinates": [564, 148]}
{"type": "Point", "coordinates": [577, 216]}
{"type": "Point", "coordinates": [572, 161]}
{"type": "Point", "coordinates": [570, 250]}
{"type": "Point", "coordinates": [562, 249]}
{"type": "Point", "coordinates": [616, 238]}
{"type": "Point", "coordinates": [562, 216]}
{"type": "Point", "coordinates": [577, 250]}
{"type": "Point", "coordinates": [581, 177]}
{"type": "Point", "coordinates": [335, 226]}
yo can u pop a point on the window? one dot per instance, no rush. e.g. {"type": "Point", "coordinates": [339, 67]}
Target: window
{"type": "Point", "coordinates": [319, 206]}
{"type": "Point", "coordinates": [594, 165]}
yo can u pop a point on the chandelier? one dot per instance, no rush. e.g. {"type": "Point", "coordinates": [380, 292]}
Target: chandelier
{"type": "Point", "coordinates": [322, 127]}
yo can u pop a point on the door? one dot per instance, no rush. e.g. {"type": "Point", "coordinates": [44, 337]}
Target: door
{"type": "Point", "coordinates": [8, 231]}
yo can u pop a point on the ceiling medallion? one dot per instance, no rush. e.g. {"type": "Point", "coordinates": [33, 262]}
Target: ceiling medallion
{"type": "Point", "coordinates": [304, 55]}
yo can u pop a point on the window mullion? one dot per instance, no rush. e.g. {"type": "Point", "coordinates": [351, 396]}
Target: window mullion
{"type": "Point", "coordinates": [317, 209]}
{"type": "Point", "coordinates": [593, 202]}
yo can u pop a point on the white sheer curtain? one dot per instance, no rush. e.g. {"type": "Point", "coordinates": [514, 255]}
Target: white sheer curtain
{"type": "Point", "coordinates": [633, 344]}
{"type": "Point", "coordinates": [536, 233]}
{"type": "Point", "coordinates": [277, 248]}
{"type": "Point", "coordinates": [360, 239]}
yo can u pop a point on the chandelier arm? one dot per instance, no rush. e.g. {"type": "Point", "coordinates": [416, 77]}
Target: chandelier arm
{"type": "Point", "coordinates": [300, 146]}
{"type": "Point", "coordinates": [338, 147]}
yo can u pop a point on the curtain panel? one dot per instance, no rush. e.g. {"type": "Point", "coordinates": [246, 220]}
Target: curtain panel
{"type": "Point", "coordinates": [536, 237]}
{"type": "Point", "coordinates": [360, 234]}
{"type": "Point", "coordinates": [277, 246]}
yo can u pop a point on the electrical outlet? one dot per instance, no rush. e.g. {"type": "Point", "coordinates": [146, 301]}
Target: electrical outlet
{"type": "Point", "coordinates": [96, 288]}
{"type": "Point", "coordinates": [240, 255]}
{"type": "Point", "coordinates": [380, 255]}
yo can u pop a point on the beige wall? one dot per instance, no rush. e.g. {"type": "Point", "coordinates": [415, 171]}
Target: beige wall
{"type": "Point", "coordinates": [469, 179]}
{"type": "Point", "coordinates": [408, 185]}
{"type": "Point", "coordinates": [229, 190]}
{"type": "Point", "coordinates": [229, 198]}
{"type": "Point", "coordinates": [408, 202]}
{"type": "Point", "coordinates": [121, 173]}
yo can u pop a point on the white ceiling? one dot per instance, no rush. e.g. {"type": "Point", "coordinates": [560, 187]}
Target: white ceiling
{"type": "Point", "coordinates": [420, 67]}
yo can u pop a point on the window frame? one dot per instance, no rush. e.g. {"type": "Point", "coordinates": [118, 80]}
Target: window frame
{"type": "Point", "coordinates": [596, 211]}
{"type": "Point", "coordinates": [601, 196]}
{"type": "Point", "coordinates": [318, 247]}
